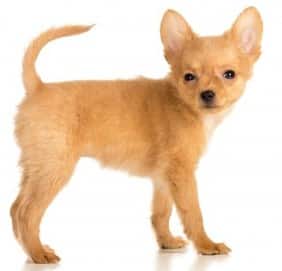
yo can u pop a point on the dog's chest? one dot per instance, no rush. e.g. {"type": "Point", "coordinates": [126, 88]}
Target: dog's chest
{"type": "Point", "coordinates": [211, 121]}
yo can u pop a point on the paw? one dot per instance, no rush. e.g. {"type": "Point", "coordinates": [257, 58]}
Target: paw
{"type": "Point", "coordinates": [211, 248]}
{"type": "Point", "coordinates": [45, 256]}
{"type": "Point", "coordinates": [171, 242]}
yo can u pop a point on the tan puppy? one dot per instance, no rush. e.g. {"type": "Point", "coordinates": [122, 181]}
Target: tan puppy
{"type": "Point", "coordinates": [155, 128]}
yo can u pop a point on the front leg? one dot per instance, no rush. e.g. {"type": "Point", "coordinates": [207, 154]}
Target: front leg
{"type": "Point", "coordinates": [161, 211]}
{"type": "Point", "coordinates": [183, 189]}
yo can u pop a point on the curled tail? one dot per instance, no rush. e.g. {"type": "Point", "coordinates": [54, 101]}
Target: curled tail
{"type": "Point", "coordinates": [30, 77]}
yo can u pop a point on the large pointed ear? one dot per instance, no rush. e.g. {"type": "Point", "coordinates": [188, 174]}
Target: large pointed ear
{"type": "Point", "coordinates": [174, 32]}
{"type": "Point", "coordinates": [247, 31]}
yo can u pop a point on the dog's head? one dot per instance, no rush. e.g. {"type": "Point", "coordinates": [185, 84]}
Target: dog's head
{"type": "Point", "coordinates": [210, 72]}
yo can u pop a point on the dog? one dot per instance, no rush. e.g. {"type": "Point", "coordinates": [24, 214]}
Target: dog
{"type": "Point", "coordinates": [156, 128]}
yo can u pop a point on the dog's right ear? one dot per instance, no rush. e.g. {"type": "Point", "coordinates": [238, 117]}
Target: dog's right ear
{"type": "Point", "coordinates": [174, 33]}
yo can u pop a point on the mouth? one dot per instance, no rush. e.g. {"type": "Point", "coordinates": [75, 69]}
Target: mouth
{"type": "Point", "coordinates": [212, 108]}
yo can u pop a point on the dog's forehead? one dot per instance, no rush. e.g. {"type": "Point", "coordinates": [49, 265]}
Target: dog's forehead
{"type": "Point", "coordinates": [209, 51]}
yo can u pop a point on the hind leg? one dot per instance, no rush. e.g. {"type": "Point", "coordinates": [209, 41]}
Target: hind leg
{"type": "Point", "coordinates": [41, 183]}
{"type": "Point", "coordinates": [14, 213]}
{"type": "Point", "coordinates": [161, 211]}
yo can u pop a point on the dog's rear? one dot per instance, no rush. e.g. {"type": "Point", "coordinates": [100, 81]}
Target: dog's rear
{"type": "Point", "coordinates": [49, 150]}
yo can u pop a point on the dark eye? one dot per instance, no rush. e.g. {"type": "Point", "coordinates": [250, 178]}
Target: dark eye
{"type": "Point", "coordinates": [229, 74]}
{"type": "Point", "coordinates": [189, 77]}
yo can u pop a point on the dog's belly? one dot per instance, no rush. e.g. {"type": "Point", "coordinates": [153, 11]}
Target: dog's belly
{"type": "Point", "coordinates": [136, 159]}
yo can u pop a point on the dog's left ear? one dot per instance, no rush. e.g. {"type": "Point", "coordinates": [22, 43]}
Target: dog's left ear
{"type": "Point", "coordinates": [247, 31]}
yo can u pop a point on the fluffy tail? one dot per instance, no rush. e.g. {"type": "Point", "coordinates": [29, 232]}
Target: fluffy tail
{"type": "Point", "coordinates": [31, 79]}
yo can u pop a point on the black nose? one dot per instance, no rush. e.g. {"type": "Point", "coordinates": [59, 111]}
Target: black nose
{"type": "Point", "coordinates": [208, 96]}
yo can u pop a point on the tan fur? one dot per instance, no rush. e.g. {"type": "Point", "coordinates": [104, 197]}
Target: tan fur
{"type": "Point", "coordinates": [154, 128]}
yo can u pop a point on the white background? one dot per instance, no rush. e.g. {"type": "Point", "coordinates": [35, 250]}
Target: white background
{"type": "Point", "coordinates": [239, 178]}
